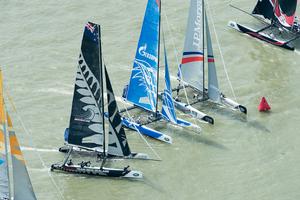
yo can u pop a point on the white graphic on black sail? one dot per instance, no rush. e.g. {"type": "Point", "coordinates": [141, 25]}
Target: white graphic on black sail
{"type": "Point", "coordinates": [86, 123]}
{"type": "Point", "coordinates": [117, 142]}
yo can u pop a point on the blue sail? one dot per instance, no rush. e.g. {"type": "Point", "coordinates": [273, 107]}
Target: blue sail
{"type": "Point", "coordinates": [142, 88]}
{"type": "Point", "coordinates": [168, 109]}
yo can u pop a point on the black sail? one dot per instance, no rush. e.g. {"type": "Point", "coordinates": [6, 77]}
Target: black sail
{"type": "Point", "coordinates": [86, 122]}
{"type": "Point", "coordinates": [264, 8]}
{"type": "Point", "coordinates": [288, 7]}
{"type": "Point", "coordinates": [117, 141]}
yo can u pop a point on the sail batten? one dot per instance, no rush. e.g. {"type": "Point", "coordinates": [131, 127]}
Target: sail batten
{"type": "Point", "coordinates": [143, 85]}
{"type": "Point", "coordinates": [192, 63]}
{"type": "Point", "coordinates": [86, 121]}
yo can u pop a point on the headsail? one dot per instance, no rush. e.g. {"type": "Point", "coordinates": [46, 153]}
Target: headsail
{"type": "Point", "coordinates": [213, 86]}
{"type": "Point", "coordinates": [168, 110]}
{"type": "Point", "coordinates": [86, 122]}
{"type": "Point", "coordinates": [22, 184]}
{"type": "Point", "coordinates": [4, 179]}
{"type": "Point", "coordinates": [117, 141]}
{"type": "Point", "coordinates": [143, 85]}
{"type": "Point", "coordinates": [192, 65]}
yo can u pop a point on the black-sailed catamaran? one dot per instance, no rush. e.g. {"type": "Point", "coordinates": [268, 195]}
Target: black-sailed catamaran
{"type": "Point", "coordinates": [196, 64]}
{"type": "Point", "coordinates": [280, 24]}
{"type": "Point", "coordinates": [87, 122]}
{"type": "Point", "coordinates": [22, 187]}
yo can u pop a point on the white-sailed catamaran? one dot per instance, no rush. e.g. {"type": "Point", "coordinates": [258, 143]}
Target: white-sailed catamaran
{"type": "Point", "coordinates": [192, 70]}
{"type": "Point", "coordinates": [22, 187]}
{"type": "Point", "coordinates": [281, 24]}
{"type": "Point", "coordinates": [142, 90]}
{"type": "Point", "coordinates": [87, 127]}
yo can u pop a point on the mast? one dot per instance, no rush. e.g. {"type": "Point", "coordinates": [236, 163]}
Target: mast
{"type": "Point", "coordinates": [101, 86]}
{"type": "Point", "coordinates": [158, 56]}
{"type": "Point", "coordinates": [203, 71]}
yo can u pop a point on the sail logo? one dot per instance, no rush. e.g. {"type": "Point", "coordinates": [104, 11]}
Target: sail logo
{"type": "Point", "coordinates": [142, 52]}
{"type": "Point", "coordinates": [197, 29]}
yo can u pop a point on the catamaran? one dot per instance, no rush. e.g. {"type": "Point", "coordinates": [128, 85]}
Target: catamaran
{"type": "Point", "coordinates": [281, 24]}
{"type": "Point", "coordinates": [22, 187]}
{"type": "Point", "coordinates": [87, 123]}
{"type": "Point", "coordinates": [142, 90]}
{"type": "Point", "coordinates": [192, 69]}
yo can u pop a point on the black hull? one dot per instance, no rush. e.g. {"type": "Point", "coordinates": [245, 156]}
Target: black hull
{"type": "Point", "coordinates": [262, 37]}
{"type": "Point", "coordinates": [97, 171]}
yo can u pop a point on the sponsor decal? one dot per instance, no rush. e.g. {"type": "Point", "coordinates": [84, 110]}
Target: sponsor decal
{"type": "Point", "coordinates": [198, 23]}
{"type": "Point", "coordinates": [143, 52]}
{"type": "Point", "coordinates": [136, 174]}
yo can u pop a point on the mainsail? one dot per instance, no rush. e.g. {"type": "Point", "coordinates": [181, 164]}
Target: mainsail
{"type": "Point", "coordinates": [143, 85]}
{"type": "Point", "coordinates": [285, 12]}
{"type": "Point", "coordinates": [213, 86]}
{"type": "Point", "coordinates": [4, 175]}
{"type": "Point", "coordinates": [192, 65]}
{"type": "Point", "coordinates": [117, 141]}
{"type": "Point", "coordinates": [282, 11]}
{"type": "Point", "coordinates": [86, 122]}
{"type": "Point", "coordinates": [22, 184]}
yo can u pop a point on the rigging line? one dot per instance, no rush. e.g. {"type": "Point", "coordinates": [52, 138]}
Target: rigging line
{"type": "Point", "coordinates": [148, 144]}
{"type": "Point", "coordinates": [60, 195]}
{"type": "Point", "coordinates": [124, 107]}
{"type": "Point", "coordinates": [220, 50]}
{"type": "Point", "coordinates": [176, 55]}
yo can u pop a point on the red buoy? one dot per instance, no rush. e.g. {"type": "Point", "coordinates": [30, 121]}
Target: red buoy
{"type": "Point", "coordinates": [263, 106]}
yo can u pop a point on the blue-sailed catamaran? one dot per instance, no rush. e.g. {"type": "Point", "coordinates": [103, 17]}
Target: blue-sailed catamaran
{"type": "Point", "coordinates": [22, 187]}
{"type": "Point", "coordinates": [281, 26]}
{"type": "Point", "coordinates": [196, 63]}
{"type": "Point", "coordinates": [87, 124]}
{"type": "Point", "coordinates": [142, 90]}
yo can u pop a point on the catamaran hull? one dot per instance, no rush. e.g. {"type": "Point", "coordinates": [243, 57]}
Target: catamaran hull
{"type": "Point", "coordinates": [66, 149]}
{"type": "Point", "coordinates": [97, 171]}
{"type": "Point", "coordinates": [146, 131]}
{"type": "Point", "coordinates": [188, 109]}
{"type": "Point", "coordinates": [261, 36]}
{"type": "Point", "coordinates": [234, 105]}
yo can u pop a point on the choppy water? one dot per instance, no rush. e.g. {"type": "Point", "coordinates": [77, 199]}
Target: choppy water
{"type": "Point", "coordinates": [256, 158]}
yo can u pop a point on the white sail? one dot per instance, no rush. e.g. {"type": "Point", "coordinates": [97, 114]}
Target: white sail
{"type": "Point", "coordinates": [192, 65]}
{"type": "Point", "coordinates": [213, 86]}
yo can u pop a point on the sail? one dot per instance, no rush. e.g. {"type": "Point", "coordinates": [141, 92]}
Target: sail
{"type": "Point", "coordinates": [22, 185]}
{"type": "Point", "coordinates": [4, 179]}
{"type": "Point", "coordinates": [213, 86]}
{"type": "Point", "coordinates": [168, 110]}
{"type": "Point", "coordinates": [192, 65]}
{"type": "Point", "coordinates": [86, 121]}
{"type": "Point", "coordinates": [117, 141]}
{"type": "Point", "coordinates": [285, 12]}
{"type": "Point", "coordinates": [143, 85]}
{"type": "Point", "coordinates": [264, 8]}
